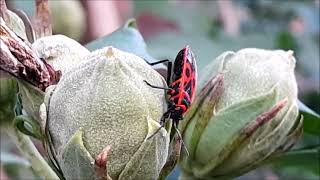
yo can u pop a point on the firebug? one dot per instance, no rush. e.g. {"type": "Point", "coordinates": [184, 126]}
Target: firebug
{"type": "Point", "coordinates": [182, 81]}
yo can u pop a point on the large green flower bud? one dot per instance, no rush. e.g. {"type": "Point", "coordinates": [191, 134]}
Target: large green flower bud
{"type": "Point", "coordinates": [246, 113]}
{"type": "Point", "coordinates": [100, 115]}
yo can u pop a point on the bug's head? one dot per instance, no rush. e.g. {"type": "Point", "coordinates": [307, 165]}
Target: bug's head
{"type": "Point", "coordinates": [178, 111]}
{"type": "Point", "coordinates": [189, 55]}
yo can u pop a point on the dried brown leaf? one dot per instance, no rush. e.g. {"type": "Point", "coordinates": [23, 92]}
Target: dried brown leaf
{"type": "Point", "coordinates": [18, 59]}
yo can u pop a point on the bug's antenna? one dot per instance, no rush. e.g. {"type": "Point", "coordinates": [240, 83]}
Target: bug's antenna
{"type": "Point", "coordinates": [158, 62]}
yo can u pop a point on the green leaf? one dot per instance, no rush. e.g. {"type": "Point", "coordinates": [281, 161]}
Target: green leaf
{"type": "Point", "coordinates": [286, 41]}
{"type": "Point", "coordinates": [306, 159]}
{"type": "Point", "coordinates": [8, 98]}
{"type": "Point", "coordinates": [127, 38]}
{"type": "Point", "coordinates": [311, 119]}
{"type": "Point", "coordinates": [28, 126]}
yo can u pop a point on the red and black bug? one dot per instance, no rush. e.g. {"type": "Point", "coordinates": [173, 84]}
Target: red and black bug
{"type": "Point", "coordinates": [181, 80]}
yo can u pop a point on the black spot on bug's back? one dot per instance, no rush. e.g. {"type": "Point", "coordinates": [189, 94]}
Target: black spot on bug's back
{"type": "Point", "coordinates": [187, 72]}
{"type": "Point", "coordinates": [186, 102]}
{"type": "Point", "coordinates": [178, 65]}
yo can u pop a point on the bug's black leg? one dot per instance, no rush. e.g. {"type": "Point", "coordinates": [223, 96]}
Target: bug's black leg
{"type": "Point", "coordinates": [162, 123]}
{"type": "Point", "coordinates": [157, 87]}
{"type": "Point", "coordinates": [158, 62]}
{"type": "Point", "coordinates": [165, 117]}
{"type": "Point", "coordinates": [169, 69]}
{"type": "Point", "coordinates": [175, 124]}
{"type": "Point", "coordinates": [155, 132]}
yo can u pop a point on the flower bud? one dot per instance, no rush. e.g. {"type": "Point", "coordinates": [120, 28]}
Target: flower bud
{"type": "Point", "coordinates": [244, 114]}
{"type": "Point", "coordinates": [100, 115]}
{"type": "Point", "coordinates": [60, 52]}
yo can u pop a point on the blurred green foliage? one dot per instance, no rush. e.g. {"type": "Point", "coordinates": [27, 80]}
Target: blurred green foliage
{"type": "Point", "coordinates": [285, 40]}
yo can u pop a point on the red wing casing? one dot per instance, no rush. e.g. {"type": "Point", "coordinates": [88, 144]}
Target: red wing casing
{"type": "Point", "coordinates": [183, 79]}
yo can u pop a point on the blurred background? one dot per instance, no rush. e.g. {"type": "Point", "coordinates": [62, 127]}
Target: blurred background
{"type": "Point", "coordinates": [210, 27]}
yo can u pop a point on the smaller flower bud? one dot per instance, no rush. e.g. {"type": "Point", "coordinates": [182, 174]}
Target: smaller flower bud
{"type": "Point", "coordinates": [248, 115]}
{"type": "Point", "coordinates": [60, 54]}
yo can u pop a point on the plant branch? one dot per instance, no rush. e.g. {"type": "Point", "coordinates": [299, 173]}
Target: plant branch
{"type": "Point", "coordinates": [27, 148]}
{"type": "Point", "coordinates": [42, 21]}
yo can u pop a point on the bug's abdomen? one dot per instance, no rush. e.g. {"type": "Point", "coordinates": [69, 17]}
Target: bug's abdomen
{"type": "Point", "coordinates": [183, 80]}
{"type": "Point", "coordinates": [179, 96]}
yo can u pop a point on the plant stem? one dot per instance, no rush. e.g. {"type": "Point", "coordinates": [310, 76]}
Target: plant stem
{"type": "Point", "coordinates": [27, 148]}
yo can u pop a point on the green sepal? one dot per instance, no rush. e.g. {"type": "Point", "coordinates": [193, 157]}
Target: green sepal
{"type": "Point", "coordinates": [271, 139]}
{"type": "Point", "coordinates": [27, 125]}
{"type": "Point", "coordinates": [292, 138]}
{"type": "Point", "coordinates": [31, 98]}
{"type": "Point", "coordinates": [224, 129]}
{"type": "Point", "coordinates": [77, 162]}
{"type": "Point", "coordinates": [141, 156]}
